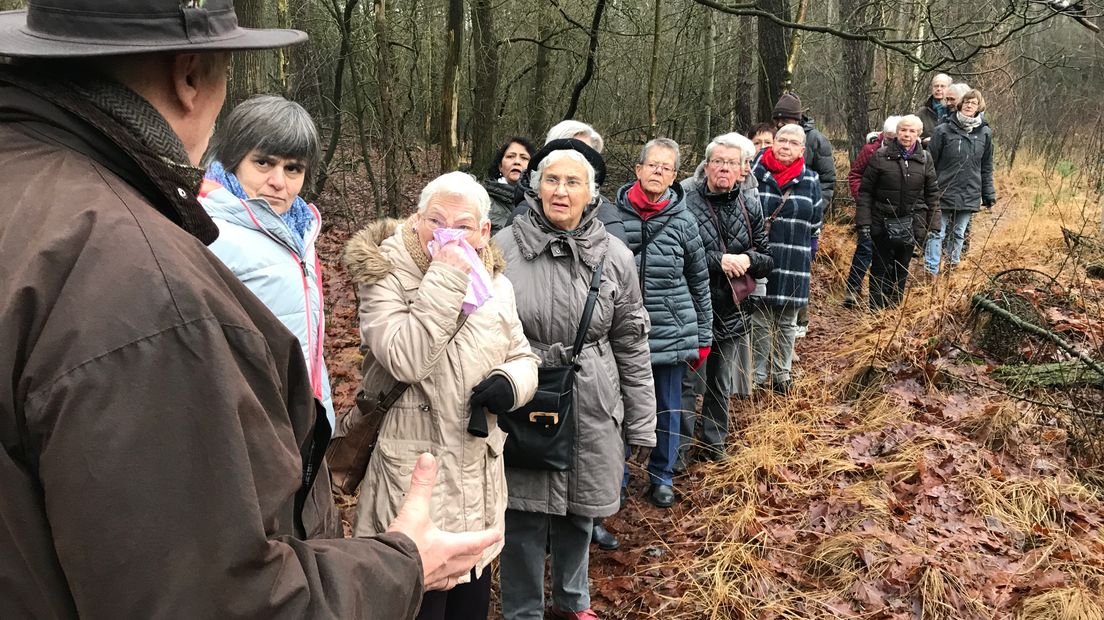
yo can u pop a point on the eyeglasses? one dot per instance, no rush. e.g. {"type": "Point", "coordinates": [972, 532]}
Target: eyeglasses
{"type": "Point", "coordinates": [571, 183]}
{"type": "Point", "coordinates": [435, 223]}
{"type": "Point", "coordinates": [729, 163]}
{"type": "Point", "coordinates": [789, 142]}
{"type": "Point", "coordinates": [665, 169]}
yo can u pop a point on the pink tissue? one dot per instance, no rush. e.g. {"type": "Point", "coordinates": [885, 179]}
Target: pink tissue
{"type": "Point", "coordinates": [479, 281]}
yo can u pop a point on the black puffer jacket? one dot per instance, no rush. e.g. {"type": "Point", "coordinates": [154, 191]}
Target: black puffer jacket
{"type": "Point", "coordinates": [964, 165]}
{"type": "Point", "coordinates": [723, 209]}
{"type": "Point", "coordinates": [502, 204]}
{"type": "Point", "coordinates": [893, 186]}
{"type": "Point", "coordinates": [818, 157]}
{"type": "Point", "coordinates": [673, 277]}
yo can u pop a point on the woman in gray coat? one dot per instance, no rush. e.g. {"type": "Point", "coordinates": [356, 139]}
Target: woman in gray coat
{"type": "Point", "coordinates": [551, 253]}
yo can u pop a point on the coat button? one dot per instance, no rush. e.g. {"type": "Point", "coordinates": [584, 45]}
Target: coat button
{"type": "Point", "coordinates": [180, 192]}
{"type": "Point", "coordinates": [423, 407]}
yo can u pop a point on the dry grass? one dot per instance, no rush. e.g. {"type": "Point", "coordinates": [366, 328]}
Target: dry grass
{"type": "Point", "coordinates": [944, 597]}
{"type": "Point", "coordinates": [1063, 604]}
{"type": "Point", "coordinates": [1027, 505]}
{"type": "Point", "coordinates": [841, 559]}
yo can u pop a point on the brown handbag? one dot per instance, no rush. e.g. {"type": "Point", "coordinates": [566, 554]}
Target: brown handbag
{"type": "Point", "coordinates": [744, 285]}
{"type": "Point", "coordinates": [357, 431]}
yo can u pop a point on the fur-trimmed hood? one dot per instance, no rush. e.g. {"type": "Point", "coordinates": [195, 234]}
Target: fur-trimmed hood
{"type": "Point", "coordinates": [367, 263]}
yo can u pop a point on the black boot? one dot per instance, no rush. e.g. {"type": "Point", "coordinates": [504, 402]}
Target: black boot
{"type": "Point", "coordinates": [603, 538]}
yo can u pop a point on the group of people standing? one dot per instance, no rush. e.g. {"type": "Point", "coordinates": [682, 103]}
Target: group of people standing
{"type": "Point", "coordinates": [916, 186]}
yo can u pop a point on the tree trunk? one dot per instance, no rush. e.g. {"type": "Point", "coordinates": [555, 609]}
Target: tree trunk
{"type": "Point", "coordinates": [538, 109]}
{"type": "Point", "coordinates": [450, 85]}
{"type": "Point", "coordinates": [389, 129]}
{"type": "Point", "coordinates": [249, 71]}
{"type": "Point", "coordinates": [345, 28]}
{"type": "Point", "coordinates": [1057, 374]}
{"type": "Point", "coordinates": [774, 47]}
{"type": "Point", "coordinates": [858, 60]}
{"type": "Point", "coordinates": [573, 105]}
{"type": "Point", "coordinates": [705, 110]}
{"type": "Point", "coordinates": [653, 70]}
{"type": "Point", "coordinates": [484, 85]}
{"type": "Point", "coordinates": [742, 115]}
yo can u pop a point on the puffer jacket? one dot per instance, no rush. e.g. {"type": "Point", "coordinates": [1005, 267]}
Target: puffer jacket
{"type": "Point", "coordinates": [893, 186]}
{"type": "Point", "coordinates": [818, 157]}
{"type": "Point", "coordinates": [502, 203]}
{"type": "Point", "coordinates": [791, 233]}
{"type": "Point", "coordinates": [963, 165]}
{"type": "Point", "coordinates": [407, 318]}
{"type": "Point", "coordinates": [614, 391]}
{"type": "Point", "coordinates": [259, 248]}
{"type": "Point", "coordinates": [674, 278]}
{"type": "Point", "coordinates": [729, 319]}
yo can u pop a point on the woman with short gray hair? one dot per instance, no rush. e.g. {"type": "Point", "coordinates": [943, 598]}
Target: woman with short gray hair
{"type": "Point", "coordinates": [259, 159]}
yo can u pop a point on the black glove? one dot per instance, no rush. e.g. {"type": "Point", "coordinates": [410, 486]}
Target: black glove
{"type": "Point", "coordinates": [863, 232]}
{"type": "Point", "coordinates": [496, 394]}
{"type": "Point", "coordinates": [988, 203]}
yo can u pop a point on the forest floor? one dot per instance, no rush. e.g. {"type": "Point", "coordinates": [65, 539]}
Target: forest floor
{"type": "Point", "coordinates": [901, 479]}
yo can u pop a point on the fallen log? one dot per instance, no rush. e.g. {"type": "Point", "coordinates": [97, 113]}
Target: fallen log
{"type": "Point", "coordinates": [1057, 374]}
{"type": "Point", "coordinates": [980, 301]}
{"type": "Point", "coordinates": [1095, 270]}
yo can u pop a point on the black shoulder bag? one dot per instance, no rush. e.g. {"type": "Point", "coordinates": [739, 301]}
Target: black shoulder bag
{"type": "Point", "coordinates": [541, 433]}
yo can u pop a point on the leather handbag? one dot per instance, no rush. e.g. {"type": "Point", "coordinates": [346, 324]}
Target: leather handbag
{"type": "Point", "coordinates": [742, 286]}
{"type": "Point", "coordinates": [899, 231]}
{"type": "Point", "coordinates": [354, 440]}
{"type": "Point", "coordinates": [541, 434]}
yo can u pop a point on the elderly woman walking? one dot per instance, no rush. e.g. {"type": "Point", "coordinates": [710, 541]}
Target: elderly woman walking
{"type": "Point", "coordinates": [670, 263]}
{"type": "Point", "coordinates": [552, 252]}
{"type": "Point", "coordinates": [898, 203]}
{"type": "Point", "coordinates": [962, 149]}
{"type": "Point", "coordinates": [258, 160]}
{"type": "Point", "coordinates": [437, 313]}
{"type": "Point", "coordinates": [724, 199]}
{"type": "Point", "coordinates": [790, 194]}
{"type": "Point", "coordinates": [507, 167]}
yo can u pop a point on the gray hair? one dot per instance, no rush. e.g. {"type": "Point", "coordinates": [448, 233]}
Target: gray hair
{"type": "Point", "coordinates": [791, 128]}
{"type": "Point", "coordinates": [555, 156]}
{"type": "Point", "coordinates": [571, 129]}
{"type": "Point", "coordinates": [731, 140]}
{"type": "Point", "coordinates": [960, 89]}
{"type": "Point", "coordinates": [890, 125]}
{"type": "Point", "coordinates": [909, 119]}
{"type": "Point", "coordinates": [663, 143]}
{"type": "Point", "coordinates": [457, 184]}
{"type": "Point", "coordinates": [270, 125]}
{"type": "Point", "coordinates": [942, 77]}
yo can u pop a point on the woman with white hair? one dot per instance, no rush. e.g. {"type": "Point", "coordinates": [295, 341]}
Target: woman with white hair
{"type": "Point", "coordinates": [897, 204]}
{"type": "Point", "coordinates": [438, 314]}
{"type": "Point", "coordinates": [794, 209]}
{"type": "Point", "coordinates": [258, 161]}
{"type": "Point", "coordinates": [864, 249]}
{"type": "Point", "coordinates": [553, 252]}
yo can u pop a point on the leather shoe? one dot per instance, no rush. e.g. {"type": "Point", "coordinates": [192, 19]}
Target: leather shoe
{"type": "Point", "coordinates": [661, 495]}
{"type": "Point", "coordinates": [603, 538]}
{"type": "Point", "coordinates": [782, 386]}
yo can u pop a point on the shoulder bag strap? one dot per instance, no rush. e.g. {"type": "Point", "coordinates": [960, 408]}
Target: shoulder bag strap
{"type": "Point", "coordinates": [652, 237]}
{"type": "Point", "coordinates": [747, 220]}
{"type": "Point", "coordinates": [785, 197]}
{"type": "Point", "coordinates": [588, 311]}
{"type": "Point", "coordinates": [393, 396]}
{"type": "Point", "coordinates": [712, 213]}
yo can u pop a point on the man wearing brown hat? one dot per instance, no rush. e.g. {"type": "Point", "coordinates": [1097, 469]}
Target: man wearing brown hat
{"type": "Point", "coordinates": [818, 150]}
{"type": "Point", "coordinates": [161, 445]}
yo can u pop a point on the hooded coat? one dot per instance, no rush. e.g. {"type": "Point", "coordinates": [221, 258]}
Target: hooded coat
{"type": "Point", "coordinates": [963, 165]}
{"type": "Point", "coordinates": [502, 203]}
{"type": "Point", "coordinates": [723, 209]}
{"type": "Point", "coordinates": [893, 186]}
{"type": "Point", "coordinates": [407, 321]}
{"type": "Point", "coordinates": [154, 414]}
{"type": "Point", "coordinates": [818, 157]}
{"type": "Point", "coordinates": [930, 117]}
{"type": "Point", "coordinates": [256, 244]}
{"type": "Point", "coordinates": [673, 277]}
{"type": "Point", "coordinates": [614, 392]}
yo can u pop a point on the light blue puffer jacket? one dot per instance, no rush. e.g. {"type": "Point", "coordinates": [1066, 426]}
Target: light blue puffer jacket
{"type": "Point", "coordinates": [261, 250]}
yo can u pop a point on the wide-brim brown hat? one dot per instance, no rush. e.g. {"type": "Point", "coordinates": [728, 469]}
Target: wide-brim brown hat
{"type": "Point", "coordinates": [82, 28]}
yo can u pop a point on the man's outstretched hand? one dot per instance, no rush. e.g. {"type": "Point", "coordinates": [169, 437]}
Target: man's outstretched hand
{"type": "Point", "coordinates": [445, 555]}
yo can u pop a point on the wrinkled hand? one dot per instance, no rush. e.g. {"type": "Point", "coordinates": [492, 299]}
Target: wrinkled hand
{"type": "Point", "coordinates": [453, 256]}
{"type": "Point", "coordinates": [639, 455]}
{"type": "Point", "coordinates": [735, 265]}
{"type": "Point", "coordinates": [445, 555]}
{"type": "Point", "coordinates": [863, 232]}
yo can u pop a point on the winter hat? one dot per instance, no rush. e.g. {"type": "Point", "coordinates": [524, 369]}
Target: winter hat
{"type": "Point", "coordinates": [571, 144]}
{"type": "Point", "coordinates": [788, 106]}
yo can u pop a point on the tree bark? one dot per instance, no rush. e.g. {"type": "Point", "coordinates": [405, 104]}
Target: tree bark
{"type": "Point", "coordinates": [450, 85]}
{"type": "Point", "coordinates": [249, 70]}
{"type": "Point", "coordinates": [484, 85]}
{"type": "Point", "coordinates": [652, 71]}
{"type": "Point", "coordinates": [389, 129]}
{"type": "Point", "coordinates": [538, 108]}
{"type": "Point", "coordinates": [742, 115]}
{"type": "Point", "coordinates": [705, 110]}
{"type": "Point", "coordinates": [345, 29]}
{"type": "Point", "coordinates": [774, 47]}
{"type": "Point", "coordinates": [592, 49]}
{"type": "Point", "coordinates": [858, 60]}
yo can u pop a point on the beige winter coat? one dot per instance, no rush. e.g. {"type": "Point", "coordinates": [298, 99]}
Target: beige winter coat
{"type": "Point", "coordinates": [406, 320]}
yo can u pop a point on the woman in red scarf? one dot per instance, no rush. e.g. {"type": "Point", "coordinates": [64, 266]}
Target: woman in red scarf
{"type": "Point", "coordinates": [794, 210]}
